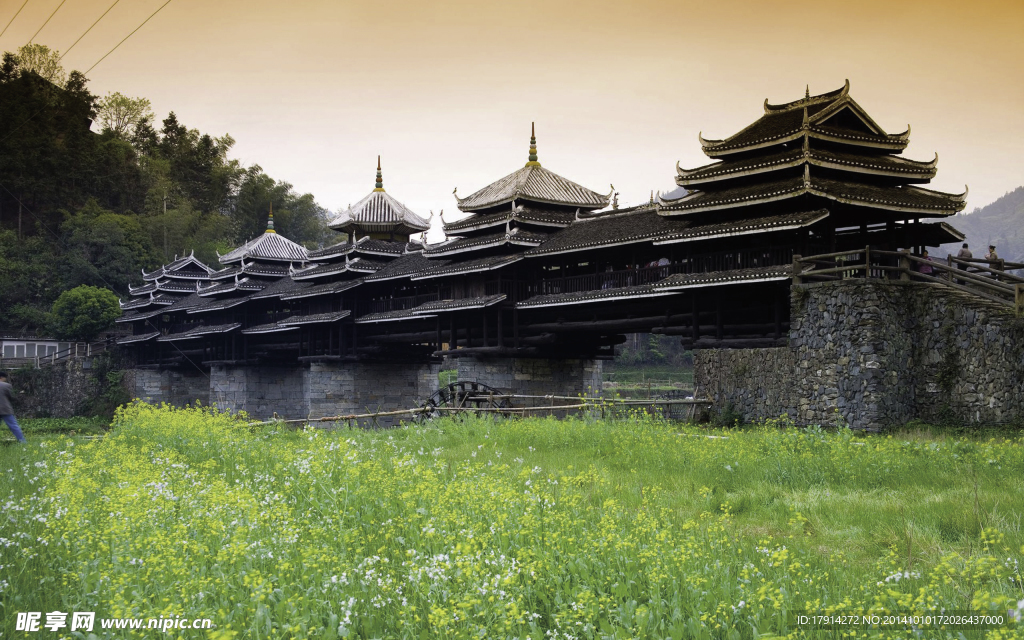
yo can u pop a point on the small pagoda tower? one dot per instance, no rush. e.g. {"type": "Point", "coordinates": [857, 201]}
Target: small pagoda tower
{"type": "Point", "coordinates": [163, 288]}
{"type": "Point", "coordinates": [379, 216]}
{"type": "Point", "coordinates": [517, 212]}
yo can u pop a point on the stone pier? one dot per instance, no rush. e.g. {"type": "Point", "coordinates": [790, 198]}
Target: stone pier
{"type": "Point", "coordinates": [323, 389]}
{"type": "Point", "coordinates": [535, 376]}
{"type": "Point", "coordinates": [173, 386]}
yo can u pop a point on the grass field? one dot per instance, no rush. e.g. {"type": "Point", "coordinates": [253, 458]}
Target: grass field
{"type": "Point", "coordinates": [537, 528]}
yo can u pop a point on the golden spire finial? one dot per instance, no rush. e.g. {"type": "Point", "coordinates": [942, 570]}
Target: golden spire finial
{"type": "Point", "coordinates": [532, 162]}
{"type": "Point", "coordinates": [379, 186]}
{"type": "Point", "coordinates": [270, 220]}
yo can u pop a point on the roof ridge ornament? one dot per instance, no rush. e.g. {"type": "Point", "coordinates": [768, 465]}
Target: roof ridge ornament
{"type": "Point", "coordinates": [379, 186]}
{"type": "Point", "coordinates": [457, 198]}
{"type": "Point", "coordinates": [270, 220]}
{"type": "Point", "coordinates": [533, 147]}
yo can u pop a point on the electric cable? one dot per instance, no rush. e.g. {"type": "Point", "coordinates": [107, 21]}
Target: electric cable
{"type": "Point", "coordinates": [12, 19]}
{"type": "Point", "coordinates": [27, 120]}
{"type": "Point", "coordinates": [47, 21]}
{"type": "Point", "coordinates": [87, 30]}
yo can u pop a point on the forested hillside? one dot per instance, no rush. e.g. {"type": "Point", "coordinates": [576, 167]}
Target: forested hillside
{"type": "Point", "coordinates": [93, 190]}
{"type": "Point", "coordinates": [1000, 223]}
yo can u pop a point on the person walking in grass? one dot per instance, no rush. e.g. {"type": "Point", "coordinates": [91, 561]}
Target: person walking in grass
{"type": "Point", "coordinates": [7, 407]}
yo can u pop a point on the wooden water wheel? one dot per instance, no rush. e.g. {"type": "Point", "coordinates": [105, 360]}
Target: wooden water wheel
{"type": "Point", "coordinates": [462, 397]}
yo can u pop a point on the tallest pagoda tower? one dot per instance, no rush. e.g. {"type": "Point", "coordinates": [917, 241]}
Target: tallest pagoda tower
{"type": "Point", "coordinates": [824, 153]}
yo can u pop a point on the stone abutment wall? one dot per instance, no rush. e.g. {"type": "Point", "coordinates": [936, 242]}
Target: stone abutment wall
{"type": "Point", "coordinates": [877, 354]}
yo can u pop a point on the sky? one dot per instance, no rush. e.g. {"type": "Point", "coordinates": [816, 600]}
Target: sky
{"type": "Point", "coordinates": [314, 90]}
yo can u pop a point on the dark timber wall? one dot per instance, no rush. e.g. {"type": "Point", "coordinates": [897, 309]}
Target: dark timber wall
{"type": "Point", "coordinates": [878, 354]}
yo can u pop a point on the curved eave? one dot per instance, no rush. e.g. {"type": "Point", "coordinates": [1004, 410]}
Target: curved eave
{"type": "Point", "coordinates": [956, 202]}
{"type": "Point", "coordinates": [892, 143]}
{"type": "Point", "coordinates": [739, 230]}
{"type": "Point", "coordinates": [455, 271]}
{"type": "Point", "coordinates": [831, 96]}
{"type": "Point", "coordinates": [512, 240]}
{"type": "Point", "coordinates": [401, 228]}
{"type": "Point", "coordinates": [686, 177]}
{"type": "Point", "coordinates": [914, 170]}
{"type": "Point", "coordinates": [267, 328]}
{"type": "Point", "coordinates": [923, 171]}
{"type": "Point", "coordinates": [342, 268]}
{"type": "Point", "coordinates": [589, 297]}
{"type": "Point", "coordinates": [460, 227]}
{"type": "Point", "coordinates": [722, 149]}
{"type": "Point", "coordinates": [530, 198]}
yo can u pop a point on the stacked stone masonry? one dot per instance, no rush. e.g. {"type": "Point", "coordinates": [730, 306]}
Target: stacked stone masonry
{"type": "Point", "coordinates": [336, 389]}
{"type": "Point", "coordinates": [878, 354]}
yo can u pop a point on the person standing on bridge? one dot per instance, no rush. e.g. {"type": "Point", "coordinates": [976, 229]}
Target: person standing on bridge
{"type": "Point", "coordinates": [7, 407]}
{"type": "Point", "coordinates": [964, 254]}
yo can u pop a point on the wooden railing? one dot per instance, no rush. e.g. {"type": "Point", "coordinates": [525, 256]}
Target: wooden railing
{"type": "Point", "coordinates": [989, 279]}
{"type": "Point", "coordinates": [74, 350]}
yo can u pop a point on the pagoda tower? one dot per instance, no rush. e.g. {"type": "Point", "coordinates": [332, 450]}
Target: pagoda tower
{"type": "Point", "coordinates": [821, 152]}
{"type": "Point", "coordinates": [380, 216]}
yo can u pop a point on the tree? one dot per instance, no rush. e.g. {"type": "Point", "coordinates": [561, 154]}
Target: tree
{"type": "Point", "coordinates": [122, 115]}
{"type": "Point", "coordinates": [83, 312]}
{"type": "Point", "coordinates": [104, 248]}
{"type": "Point", "coordinates": [43, 61]}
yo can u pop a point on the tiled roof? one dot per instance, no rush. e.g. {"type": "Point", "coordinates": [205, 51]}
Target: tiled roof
{"type": "Point", "coordinates": [279, 289]}
{"type": "Point", "coordinates": [184, 267]}
{"type": "Point", "coordinates": [245, 284]}
{"type": "Point", "coordinates": [142, 315]}
{"type": "Point", "coordinates": [597, 295]}
{"type": "Point", "coordinates": [185, 303]}
{"type": "Point", "coordinates": [807, 116]}
{"type": "Point", "coordinates": [159, 299]}
{"type": "Point", "coordinates": [315, 318]}
{"type": "Point", "coordinates": [365, 245]}
{"type": "Point", "coordinates": [268, 246]}
{"type": "Point", "coordinates": [745, 226]}
{"type": "Point", "coordinates": [379, 211]}
{"type": "Point", "coordinates": [518, 236]}
{"type": "Point", "coordinates": [625, 227]}
{"type": "Point", "coordinates": [531, 215]}
{"type": "Point", "coordinates": [138, 338]}
{"type": "Point", "coordinates": [390, 316]}
{"type": "Point", "coordinates": [904, 198]}
{"type": "Point", "coordinates": [225, 273]}
{"type": "Point", "coordinates": [200, 331]}
{"type": "Point", "coordinates": [536, 184]}
{"type": "Point", "coordinates": [468, 266]}
{"type": "Point", "coordinates": [271, 327]}
{"type": "Point", "coordinates": [769, 128]}
{"type": "Point", "coordinates": [219, 304]}
{"type": "Point", "coordinates": [323, 289]}
{"type": "Point", "coordinates": [356, 265]}
{"type": "Point", "coordinates": [681, 281]}
{"type": "Point", "coordinates": [887, 165]}
{"type": "Point", "coordinates": [458, 305]}
{"type": "Point", "coordinates": [409, 264]}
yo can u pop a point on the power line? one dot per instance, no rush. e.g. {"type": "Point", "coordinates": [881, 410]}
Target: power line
{"type": "Point", "coordinates": [87, 30]}
{"type": "Point", "coordinates": [27, 120]}
{"type": "Point", "coordinates": [47, 21]}
{"type": "Point", "coordinates": [12, 19]}
{"type": "Point", "coordinates": [127, 36]}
